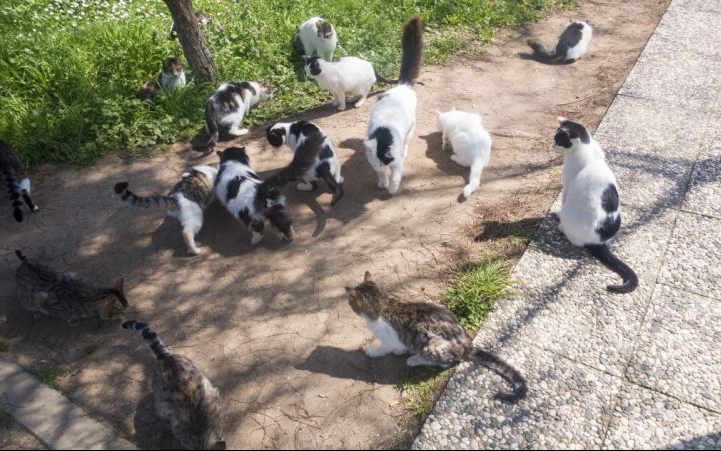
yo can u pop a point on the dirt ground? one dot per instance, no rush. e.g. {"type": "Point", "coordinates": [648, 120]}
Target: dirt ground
{"type": "Point", "coordinates": [270, 324]}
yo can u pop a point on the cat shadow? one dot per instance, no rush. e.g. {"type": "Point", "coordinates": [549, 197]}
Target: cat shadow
{"type": "Point", "coordinates": [363, 174]}
{"type": "Point", "coordinates": [150, 430]}
{"type": "Point", "coordinates": [548, 62]}
{"type": "Point", "coordinates": [554, 242]}
{"type": "Point", "coordinates": [442, 158]}
{"type": "Point", "coordinates": [493, 230]}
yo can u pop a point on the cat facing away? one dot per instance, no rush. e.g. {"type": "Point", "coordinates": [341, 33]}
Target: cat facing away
{"type": "Point", "coordinates": [229, 104]}
{"type": "Point", "coordinates": [16, 180]}
{"type": "Point", "coordinates": [42, 289]}
{"type": "Point", "coordinates": [186, 202]}
{"type": "Point", "coordinates": [430, 332]}
{"type": "Point", "coordinates": [393, 118]}
{"type": "Point", "coordinates": [317, 36]}
{"type": "Point", "coordinates": [470, 143]}
{"type": "Point", "coordinates": [326, 166]}
{"type": "Point", "coordinates": [571, 45]}
{"type": "Point", "coordinates": [590, 212]}
{"type": "Point", "coordinates": [184, 397]}
{"type": "Point", "coordinates": [171, 77]}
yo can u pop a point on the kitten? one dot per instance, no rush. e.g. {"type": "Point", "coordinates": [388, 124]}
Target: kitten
{"type": "Point", "coordinates": [42, 289]}
{"type": "Point", "coordinates": [186, 201]}
{"type": "Point", "coordinates": [393, 118]}
{"type": "Point", "coordinates": [148, 91]}
{"type": "Point", "coordinates": [571, 45]}
{"type": "Point", "coordinates": [317, 36]}
{"type": "Point", "coordinates": [430, 332]}
{"type": "Point", "coordinates": [590, 215]}
{"type": "Point", "coordinates": [230, 103]}
{"type": "Point", "coordinates": [172, 77]}
{"type": "Point", "coordinates": [17, 181]}
{"type": "Point", "coordinates": [326, 165]}
{"type": "Point", "coordinates": [469, 141]}
{"type": "Point", "coordinates": [184, 397]}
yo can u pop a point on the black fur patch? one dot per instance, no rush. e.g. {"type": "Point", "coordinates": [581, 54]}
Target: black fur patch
{"type": "Point", "coordinates": [326, 153]}
{"type": "Point", "coordinates": [562, 139]}
{"type": "Point", "coordinates": [257, 226]}
{"type": "Point", "coordinates": [570, 37]}
{"type": "Point", "coordinates": [609, 199]}
{"type": "Point", "coordinates": [234, 154]}
{"type": "Point", "coordinates": [243, 86]}
{"type": "Point", "coordinates": [275, 136]}
{"type": "Point", "coordinates": [384, 141]}
{"type": "Point", "coordinates": [225, 100]}
{"type": "Point", "coordinates": [306, 128]}
{"type": "Point", "coordinates": [576, 130]}
{"type": "Point", "coordinates": [608, 228]}
{"type": "Point", "coordinates": [322, 168]}
{"type": "Point", "coordinates": [314, 66]}
{"type": "Point", "coordinates": [244, 215]}
{"type": "Point", "coordinates": [233, 187]}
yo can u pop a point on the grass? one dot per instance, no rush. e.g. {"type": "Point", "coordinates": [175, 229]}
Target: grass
{"type": "Point", "coordinates": [3, 414]}
{"type": "Point", "coordinates": [69, 68]}
{"type": "Point", "coordinates": [48, 375]}
{"type": "Point", "coordinates": [4, 347]}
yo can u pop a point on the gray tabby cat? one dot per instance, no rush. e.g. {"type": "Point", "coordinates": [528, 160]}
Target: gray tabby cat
{"type": "Point", "coordinates": [430, 332]}
{"type": "Point", "coordinates": [184, 397]}
{"type": "Point", "coordinates": [16, 180]}
{"type": "Point", "coordinates": [42, 289]}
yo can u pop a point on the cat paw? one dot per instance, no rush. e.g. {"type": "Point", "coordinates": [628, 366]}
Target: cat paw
{"type": "Point", "coordinates": [560, 228]}
{"type": "Point", "coordinates": [467, 191]}
{"type": "Point", "coordinates": [241, 132]}
{"type": "Point", "coordinates": [383, 183]}
{"type": "Point", "coordinates": [341, 107]}
{"type": "Point", "coordinates": [416, 360]}
{"type": "Point", "coordinates": [290, 235]}
{"type": "Point", "coordinates": [360, 103]}
{"type": "Point", "coordinates": [194, 251]}
{"type": "Point", "coordinates": [340, 179]}
{"type": "Point", "coordinates": [335, 102]}
{"type": "Point", "coordinates": [374, 351]}
{"type": "Point", "coordinates": [35, 208]}
{"type": "Point", "coordinates": [393, 188]}
{"type": "Point", "coordinates": [256, 238]}
{"type": "Point", "coordinates": [305, 186]}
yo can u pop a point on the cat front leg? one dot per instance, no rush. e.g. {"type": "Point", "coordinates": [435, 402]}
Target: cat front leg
{"type": "Point", "coordinates": [382, 178]}
{"type": "Point", "coordinates": [446, 146]}
{"type": "Point", "coordinates": [257, 228]}
{"type": "Point", "coordinates": [306, 185]}
{"type": "Point", "coordinates": [417, 360]}
{"type": "Point", "coordinates": [238, 131]}
{"type": "Point", "coordinates": [396, 175]}
{"type": "Point", "coordinates": [189, 238]}
{"type": "Point", "coordinates": [341, 100]}
{"type": "Point", "coordinates": [378, 351]}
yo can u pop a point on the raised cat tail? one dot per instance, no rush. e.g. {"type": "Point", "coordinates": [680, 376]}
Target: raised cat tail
{"type": "Point", "coordinates": [610, 261]}
{"type": "Point", "coordinates": [520, 389]}
{"type": "Point", "coordinates": [304, 159]}
{"type": "Point", "coordinates": [211, 123]}
{"type": "Point", "coordinates": [412, 51]}
{"type": "Point", "coordinates": [139, 201]}
{"type": "Point", "coordinates": [381, 79]}
{"type": "Point", "coordinates": [149, 334]}
{"type": "Point", "coordinates": [14, 192]}
{"type": "Point", "coordinates": [540, 51]}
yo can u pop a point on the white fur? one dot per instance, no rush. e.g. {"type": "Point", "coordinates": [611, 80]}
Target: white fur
{"type": "Point", "coordinates": [349, 75]}
{"type": "Point", "coordinates": [395, 110]}
{"type": "Point", "coordinates": [471, 144]}
{"type": "Point", "coordinates": [174, 81]}
{"type": "Point", "coordinates": [234, 119]}
{"type": "Point", "coordinates": [189, 213]}
{"type": "Point", "coordinates": [312, 42]}
{"type": "Point", "coordinates": [579, 49]}
{"type": "Point", "coordinates": [386, 334]}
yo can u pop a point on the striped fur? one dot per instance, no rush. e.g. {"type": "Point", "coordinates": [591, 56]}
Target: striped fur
{"type": "Point", "coordinates": [16, 180]}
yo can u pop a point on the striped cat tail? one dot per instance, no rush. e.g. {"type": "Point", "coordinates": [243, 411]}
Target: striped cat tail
{"type": "Point", "coordinates": [520, 390]}
{"type": "Point", "coordinates": [20, 255]}
{"type": "Point", "coordinates": [140, 201]}
{"type": "Point", "coordinates": [14, 191]}
{"type": "Point", "coordinates": [149, 334]}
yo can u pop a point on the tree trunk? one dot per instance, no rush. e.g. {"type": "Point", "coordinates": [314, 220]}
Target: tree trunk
{"type": "Point", "coordinates": [192, 41]}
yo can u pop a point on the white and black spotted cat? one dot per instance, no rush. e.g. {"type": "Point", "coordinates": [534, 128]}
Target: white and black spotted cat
{"type": "Point", "coordinates": [326, 166]}
{"type": "Point", "coordinates": [42, 289]}
{"type": "Point", "coordinates": [186, 202]}
{"type": "Point", "coordinates": [317, 36]}
{"type": "Point", "coordinates": [16, 179]}
{"type": "Point", "coordinates": [590, 212]}
{"type": "Point", "coordinates": [571, 45]}
{"type": "Point", "coordinates": [430, 332]}
{"type": "Point", "coordinates": [184, 397]}
{"type": "Point", "coordinates": [393, 118]}
{"type": "Point", "coordinates": [230, 103]}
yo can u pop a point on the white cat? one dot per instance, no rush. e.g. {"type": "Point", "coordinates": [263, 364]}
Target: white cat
{"type": "Point", "coordinates": [393, 118]}
{"type": "Point", "coordinates": [350, 74]}
{"type": "Point", "coordinates": [172, 76]}
{"type": "Point", "coordinates": [571, 45]}
{"type": "Point", "coordinates": [230, 103]}
{"type": "Point", "coordinates": [590, 214]}
{"type": "Point", "coordinates": [319, 36]}
{"type": "Point", "coordinates": [469, 141]}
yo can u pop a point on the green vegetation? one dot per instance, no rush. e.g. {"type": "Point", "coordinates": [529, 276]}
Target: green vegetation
{"type": "Point", "coordinates": [69, 69]}
{"type": "Point", "coordinates": [48, 375]}
{"type": "Point", "coordinates": [4, 347]}
{"type": "Point", "coordinates": [421, 387]}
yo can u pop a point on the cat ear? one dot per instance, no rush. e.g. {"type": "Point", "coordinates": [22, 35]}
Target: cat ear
{"type": "Point", "coordinates": [349, 290]}
{"type": "Point", "coordinates": [367, 277]}
{"type": "Point", "coordinates": [119, 285]}
{"type": "Point", "coordinates": [561, 120]}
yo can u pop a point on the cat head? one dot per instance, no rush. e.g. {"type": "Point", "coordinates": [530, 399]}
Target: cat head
{"type": "Point", "coordinates": [262, 90]}
{"type": "Point", "coordinates": [365, 298]}
{"type": "Point", "coordinates": [173, 66]}
{"type": "Point", "coordinates": [234, 154]}
{"type": "Point", "coordinates": [115, 304]}
{"type": "Point", "coordinates": [148, 90]}
{"type": "Point", "coordinates": [570, 134]}
{"type": "Point", "coordinates": [325, 29]}
{"type": "Point", "coordinates": [277, 134]}
{"type": "Point", "coordinates": [312, 66]}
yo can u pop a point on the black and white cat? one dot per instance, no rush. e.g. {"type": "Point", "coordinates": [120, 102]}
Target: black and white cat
{"type": "Point", "coordinates": [186, 201]}
{"type": "Point", "coordinates": [393, 118]}
{"type": "Point", "coordinates": [317, 36]}
{"type": "Point", "coordinates": [230, 103]}
{"type": "Point", "coordinates": [430, 332]}
{"type": "Point", "coordinates": [590, 213]}
{"type": "Point", "coordinates": [470, 143]}
{"type": "Point", "coordinates": [571, 45]}
{"type": "Point", "coordinates": [326, 166]}
{"type": "Point", "coordinates": [16, 179]}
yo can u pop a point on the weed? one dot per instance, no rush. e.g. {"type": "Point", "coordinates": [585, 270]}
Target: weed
{"type": "Point", "coordinates": [48, 375]}
{"type": "Point", "coordinates": [4, 347]}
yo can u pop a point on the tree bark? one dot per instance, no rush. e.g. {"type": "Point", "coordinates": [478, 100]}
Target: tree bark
{"type": "Point", "coordinates": [192, 41]}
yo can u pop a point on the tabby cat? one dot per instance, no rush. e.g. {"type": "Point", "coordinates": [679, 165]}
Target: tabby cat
{"type": "Point", "coordinates": [184, 397]}
{"type": "Point", "coordinates": [16, 180]}
{"type": "Point", "coordinates": [42, 289]}
{"type": "Point", "coordinates": [430, 332]}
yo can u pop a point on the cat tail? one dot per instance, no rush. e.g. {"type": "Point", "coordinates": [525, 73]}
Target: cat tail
{"type": "Point", "coordinates": [14, 191]}
{"type": "Point", "coordinates": [520, 389]}
{"type": "Point", "coordinates": [140, 201]}
{"type": "Point", "coordinates": [304, 159]}
{"type": "Point", "coordinates": [610, 261]}
{"type": "Point", "coordinates": [412, 51]}
{"type": "Point", "coordinates": [158, 347]}
{"type": "Point", "coordinates": [211, 123]}
{"type": "Point", "coordinates": [20, 255]}
{"type": "Point", "coordinates": [381, 79]}
{"type": "Point", "coordinates": [474, 178]}
{"type": "Point", "coordinates": [540, 51]}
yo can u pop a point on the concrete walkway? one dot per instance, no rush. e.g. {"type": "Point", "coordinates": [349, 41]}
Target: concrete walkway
{"type": "Point", "coordinates": [640, 370]}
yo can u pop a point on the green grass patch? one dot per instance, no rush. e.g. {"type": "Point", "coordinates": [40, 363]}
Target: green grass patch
{"type": "Point", "coordinates": [4, 347]}
{"type": "Point", "coordinates": [48, 375]}
{"type": "Point", "coordinates": [3, 414]}
{"type": "Point", "coordinates": [69, 70]}
{"type": "Point", "coordinates": [421, 387]}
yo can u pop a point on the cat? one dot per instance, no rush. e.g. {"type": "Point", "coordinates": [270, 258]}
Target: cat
{"type": "Point", "coordinates": [186, 201]}
{"type": "Point", "coordinates": [590, 214]}
{"type": "Point", "coordinates": [325, 167]}
{"type": "Point", "coordinates": [430, 332]}
{"type": "Point", "coordinates": [172, 77]}
{"type": "Point", "coordinates": [469, 141]}
{"type": "Point", "coordinates": [317, 36]}
{"type": "Point", "coordinates": [184, 397]}
{"type": "Point", "coordinates": [571, 45]}
{"type": "Point", "coordinates": [42, 289]}
{"type": "Point", "coordinates": [230, 103]}
{"type": "Point", "coordinates": [393, 118]}
{"type": "Point", "coordinates": [16, 179]}
{"type": "Point", "coordinates": [202, 19]}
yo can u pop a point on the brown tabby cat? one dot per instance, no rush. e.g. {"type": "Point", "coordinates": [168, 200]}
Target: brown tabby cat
{"type": "Point", "coordinates": [184, 397]}
{"type": "Point", "coordinates": [16, 180]}
{"type": "Point", "coordinates": [42, 289]}
{"type": "Point", "coordinates": [430, 332]}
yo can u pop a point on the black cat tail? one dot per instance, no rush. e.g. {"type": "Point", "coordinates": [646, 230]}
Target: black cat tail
{"type": "Point", "coordinates": [140, 201]}
{"type": "Point", "coordinates": [304, 160]}
{"type": "Point", "coordinates": [610, 261]}
{"type": "Point", "coordinates": [520, 390]}
{"type": "Point", "coordinates": [14, 192]}
{"type": "Point", "coordinates": [149, 334]}
{"type": "Point", "coordinates": [540, 52]}
{"type": "Point", "coordinates": [20, 255]}
{"type": "Point", "coordinates": [412, 51]}
{"type": "Point", "coordinates": [381, 79]}
{"type": "Point", "coordinates": [211, 123]}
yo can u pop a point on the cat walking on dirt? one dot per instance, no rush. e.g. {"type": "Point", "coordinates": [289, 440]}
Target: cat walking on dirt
{"type": "Point", "coordinates": [571, 45]}
{"type": "Point", "coordinates": [16, 180]}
